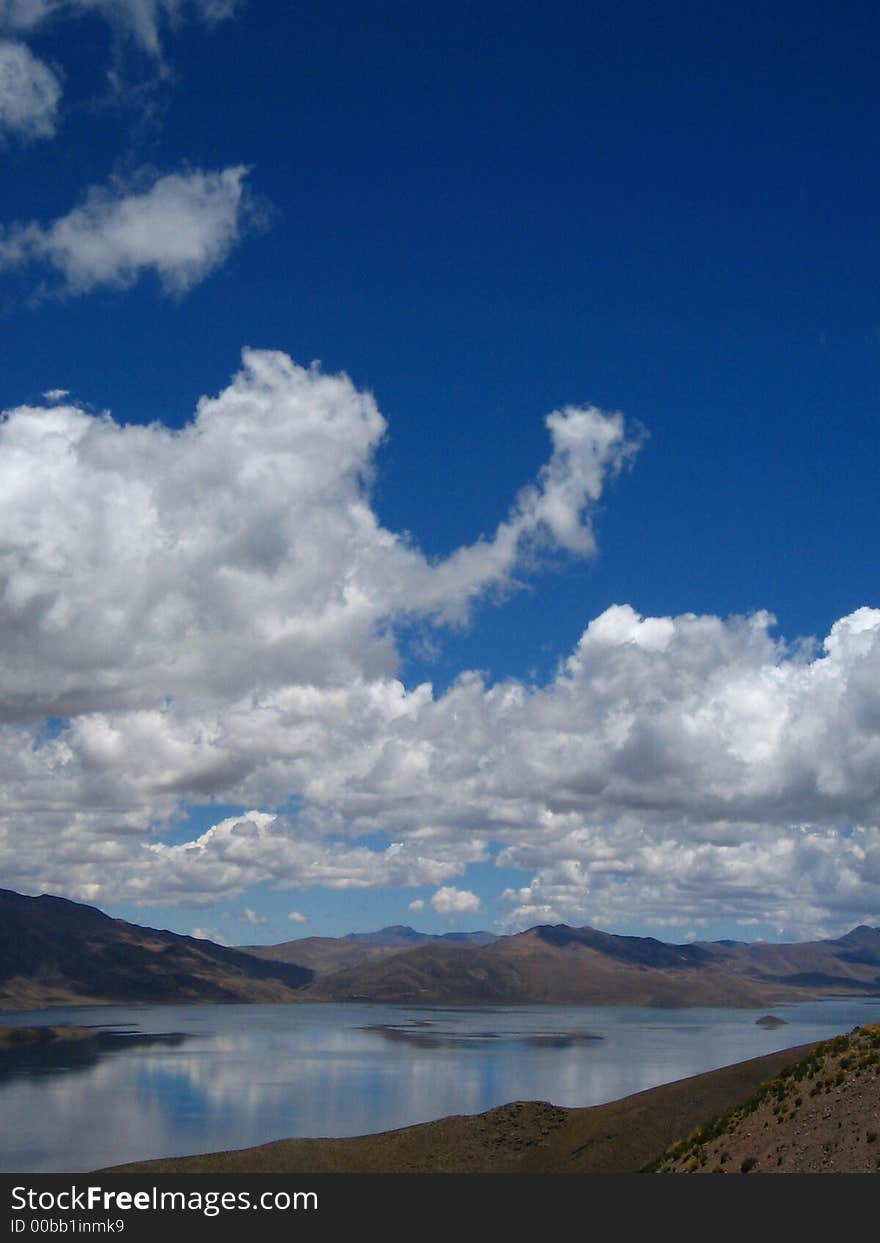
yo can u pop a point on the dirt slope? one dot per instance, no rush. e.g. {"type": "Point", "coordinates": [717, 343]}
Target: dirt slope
{"type": "Point", "coordinates": [819, 1116]}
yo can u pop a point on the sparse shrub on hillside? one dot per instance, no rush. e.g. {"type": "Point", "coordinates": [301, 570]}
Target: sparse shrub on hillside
{"type": "Point", "coordinates": [831, 1066]}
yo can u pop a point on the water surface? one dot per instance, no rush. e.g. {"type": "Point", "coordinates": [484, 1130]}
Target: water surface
{"type": "Point", "coordinates": [247, 1074]}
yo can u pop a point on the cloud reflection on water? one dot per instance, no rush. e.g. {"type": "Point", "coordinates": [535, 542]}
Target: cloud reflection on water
{"type": "Point", "coordinates": [247, 1075]}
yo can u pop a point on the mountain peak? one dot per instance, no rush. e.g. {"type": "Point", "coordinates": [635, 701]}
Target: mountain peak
{"type": "Point", "coordinates": [394, 934]}
{"type": "Point", "coordinates": [860, 934]}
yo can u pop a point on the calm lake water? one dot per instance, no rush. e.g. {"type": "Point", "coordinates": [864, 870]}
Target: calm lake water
{"type": "Point", "coordinates": [170, 1080]}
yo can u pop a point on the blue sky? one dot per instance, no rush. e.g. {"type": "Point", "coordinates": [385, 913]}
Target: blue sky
{"type": "Point", "coordinates": [479, 217]}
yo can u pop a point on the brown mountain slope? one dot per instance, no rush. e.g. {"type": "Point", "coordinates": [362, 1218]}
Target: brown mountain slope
{"type": "Point", "coordinates": [524, 1137]}
{"type": "Point", "coordinates": [820, 1115]}
{"type": "Point", "coordinates": [325, 954]}
{"type": "Point", "coordinates": [530, 968]}
{"type": "Point", "coordinates": [847, 963]}
{"type": "Point", "coordinates": [55, 952]}
{"type": "Point", "coordinates": [558, 964]}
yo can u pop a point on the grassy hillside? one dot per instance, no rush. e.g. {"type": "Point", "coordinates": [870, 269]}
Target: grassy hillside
{"type": "Point", "coordinates": [819, 1115]}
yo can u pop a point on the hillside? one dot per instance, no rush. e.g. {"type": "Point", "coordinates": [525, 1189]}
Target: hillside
{"type": "Point", "coordinates": [56, 952]}
{"type": "Point", "coordinates": [848, 963]}
{"type": "Point", "coordinates": [819, 1115]}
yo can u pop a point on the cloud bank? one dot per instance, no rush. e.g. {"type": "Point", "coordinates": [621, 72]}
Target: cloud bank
{"type": "Point", "coordinates": [181, 227]}
{"type": "Point", "coordinates": [212, 612]}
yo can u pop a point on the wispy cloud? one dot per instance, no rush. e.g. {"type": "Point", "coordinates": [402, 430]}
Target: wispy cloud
{"type": "Point", "coordinates": [29, 94]}
{"type": "Point", "coordinates": [141, 20]}
{"type": "Point", "coordinates": [181, 227]}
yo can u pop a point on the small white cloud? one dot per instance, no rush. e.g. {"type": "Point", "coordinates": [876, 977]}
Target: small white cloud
{"type": "Point", "coordinates": [417, 905]}
{"type": "Point", "coordinates": [251, 917]}
{"type": "Point", "coordinates": [181, 227]}
{"type": "Point", "coordinates": [297, 917]}
{"type": "Point", "coordinates": [208, 934]}
{"type": "Point", "coordinates": [29, 94]}
{"type": "Point", "coordinates": [450, 901]}
{"type": "Point", "coordinates": [54, 395]}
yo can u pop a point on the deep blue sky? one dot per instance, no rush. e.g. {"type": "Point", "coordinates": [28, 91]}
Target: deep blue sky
{"type": "Point", "coordinates": [483, 212]}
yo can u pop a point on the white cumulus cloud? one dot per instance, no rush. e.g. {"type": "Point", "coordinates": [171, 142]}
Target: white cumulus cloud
{"type": "Point", "coordinates": [211, 613]}
{"type": "Point", "coordinates": [451, 901]}
{"type": "Point", "coordinates": [180, 227]}
{"type": "Point", "coordinates": [417, 905]}
{"type": "Point", "coordinates": [297, 917]}
{"type": "Point", "coordinates": [29, 94]}
{"type": "Point", "coordinates": [239, 555]}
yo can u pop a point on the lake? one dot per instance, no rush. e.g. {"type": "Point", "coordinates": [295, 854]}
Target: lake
{"type": "Point", "coordinates": [172, 1080]}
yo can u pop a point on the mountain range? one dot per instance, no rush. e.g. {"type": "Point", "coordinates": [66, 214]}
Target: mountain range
{"type": "Point", "coordinates": [557, 964]}
{"type": "Point", "coordinates": [326, 954]}
{"type": "Point", "coordinates": [56, 952]}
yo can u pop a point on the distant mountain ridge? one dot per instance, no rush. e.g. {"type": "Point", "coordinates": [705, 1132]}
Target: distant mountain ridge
{"type": "Point", "coordinates": [54, 952]}
{"type": "Point", "coordinates": [552, 964]}
{"type": "Point", "coordinates": [402, 934]}
{"type": "Point", "coordinates": [324, 955]}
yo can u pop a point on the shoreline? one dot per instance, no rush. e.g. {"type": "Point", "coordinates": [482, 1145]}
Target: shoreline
{"type": "Point", "coordinates": [521, 1137]}
{"type": "Point", "coordinates": [14, 1037]}
{"type": "Point", "coordinates": [8, 1006]}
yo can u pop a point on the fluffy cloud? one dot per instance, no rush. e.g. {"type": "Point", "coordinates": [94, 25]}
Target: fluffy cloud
{"type": "Point", "coordinates": [237, 557]}
{"type": "Point", "coordinates": [417, 905]}
{"type": "Point", "coordinates": [29, 94]}
{"type": "Point", "coordinates": [212, 613]}
{"type": "Point", "coordinates": [180, 227]}
{"type": "Point", "coordinates": [450, 901]}
{"type": "Point", "coordinates": [142, 20]}
{"type": "Point", "coordinates": [297, 917]}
